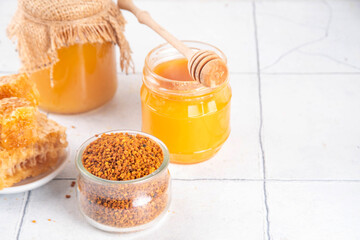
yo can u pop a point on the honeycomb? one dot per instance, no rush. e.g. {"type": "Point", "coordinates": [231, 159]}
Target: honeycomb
{"type": "Point", "coordinates": [17, 164]}
{"type": "Point", "coordinates": [18, 123]}
{"type": "Point", "coordinates": [18, 85]}
{"type": "Point", "coordinates": [30, 143]}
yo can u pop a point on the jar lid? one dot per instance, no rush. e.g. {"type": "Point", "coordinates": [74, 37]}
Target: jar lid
{"type": "Point", "coordinates": [42, 27]}
{"type": "Point", "coordinates": [60, 10]}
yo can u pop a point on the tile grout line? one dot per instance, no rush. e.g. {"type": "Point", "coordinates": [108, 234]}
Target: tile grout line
{"type": "Point", "coordinates": [27, 197]}
{"type": "Point", "coordinates": [23, 204]}
{"type": "Point", "coordinates": [64, 179]}
{"type": "Point", "coordinates": [310, 73]}
{"type": "Point", "coordinates": [265, 180]}
{"type": "Point", "coordinates": [246, 73]}
{"type": "Point", "coordinates": [217, 179]}
{"type": "Point", "coordinates": [267, 230]}
{"type": "Point", "coordinates": [313, 180]}
{"type": "Point", "coordinates": [243, 180]}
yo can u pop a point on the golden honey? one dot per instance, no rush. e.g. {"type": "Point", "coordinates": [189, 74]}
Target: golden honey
{"type": "Point", "coordinates": [192, 120]}
{"type": "Point", "coordinates": [84, 78]}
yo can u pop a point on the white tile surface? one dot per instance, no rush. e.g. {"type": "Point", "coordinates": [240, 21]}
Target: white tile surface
{"type": "Point", "coordinates": [205, 25]}
{"type": "Point", "coordinates": [11, 208]}
{"type": "Point", "coordinates": [9, 61]}
{"type": "Point", "coordinates": [124, 112]}
{"type": "Point", "coordinates": [310, 131]}
{"type": "Point", "coordinates": [311, 126]}
{"type": "Point", "coordinates": [208, 21]}
{"type": "Point", "coordinates": [310, 210]}
{"type": "Point", "coordinates": [296, 36]}
{"type": "Point", "coordinates": [240, 156]}
{"type": "Point", "coordinates": [238, 206]}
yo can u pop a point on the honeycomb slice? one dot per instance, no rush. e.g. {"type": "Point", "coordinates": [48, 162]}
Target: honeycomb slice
{"type": "Point", "coordinates": [33, 166]}
{"type": "Point", "coordinates": [30, 143]}
{"type": "Point", "coordinates": [18, 123]}
{"type": "Point", "coordinates": [19, 163]}
{"type": "Point", "coordinates": [18, 85]}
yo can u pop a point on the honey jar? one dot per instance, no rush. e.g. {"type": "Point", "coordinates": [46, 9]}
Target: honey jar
{"type": "Point", "coordinates": [68, 49]}
{"type": "Point", "coordinates": [84, 78]}
{"type": "Point", "coordinates": [191, 119]}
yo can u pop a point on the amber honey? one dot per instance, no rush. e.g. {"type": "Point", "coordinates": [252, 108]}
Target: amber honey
{"type": "Point", "coordinates": [192, 120]}
{"type": "Point", "coordinates": [175, 69]}
{"type": "Point", "coordinates": [84, 78]}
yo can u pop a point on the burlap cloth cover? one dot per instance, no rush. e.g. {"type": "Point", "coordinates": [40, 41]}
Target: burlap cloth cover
{"type": "Point", "coordinates": [43, 26]}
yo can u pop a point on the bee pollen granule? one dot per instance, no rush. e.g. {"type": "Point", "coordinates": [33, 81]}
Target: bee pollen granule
{"type": "Point", "coordinates": [120, 157]}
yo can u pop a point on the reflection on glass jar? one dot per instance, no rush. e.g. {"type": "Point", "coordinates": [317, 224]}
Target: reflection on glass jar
{"type": "Point", "coordinates": [192, 120]}
{"type": "Point", "coordinates": [84, 78]}
{"type": "Point", "coordinates": [124, 206]}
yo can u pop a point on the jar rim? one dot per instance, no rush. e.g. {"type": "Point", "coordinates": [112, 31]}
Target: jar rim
{"type": "Point", "coordinates": [86, 173]}
{"type": "Point", "coordinates": [191, 84]}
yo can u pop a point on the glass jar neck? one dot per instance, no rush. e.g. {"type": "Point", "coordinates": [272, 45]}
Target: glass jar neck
{"type": "Point", "coordinates": [166, 86]}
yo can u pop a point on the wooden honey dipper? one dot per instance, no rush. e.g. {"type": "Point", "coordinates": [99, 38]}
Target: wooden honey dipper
{"type": "Point", "coordinates": [204, 66]}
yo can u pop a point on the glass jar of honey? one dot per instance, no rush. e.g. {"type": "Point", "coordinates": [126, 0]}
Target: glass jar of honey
{"type": "Point", "coordinates": [191, 119]}
{"type": "Point", "coordinates": [67, 48]}
{"type": "Point", "coordinates": [84, 78]}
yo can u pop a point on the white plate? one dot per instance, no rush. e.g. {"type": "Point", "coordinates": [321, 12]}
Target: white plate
{"type": "Point", "coordinates": [35, 182]}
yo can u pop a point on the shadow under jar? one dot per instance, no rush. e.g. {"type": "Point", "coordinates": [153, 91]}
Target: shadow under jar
{"type": "Point", "coordinates": [124, 206]}
{"type": "Point", "coordinates": [191, 119]}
